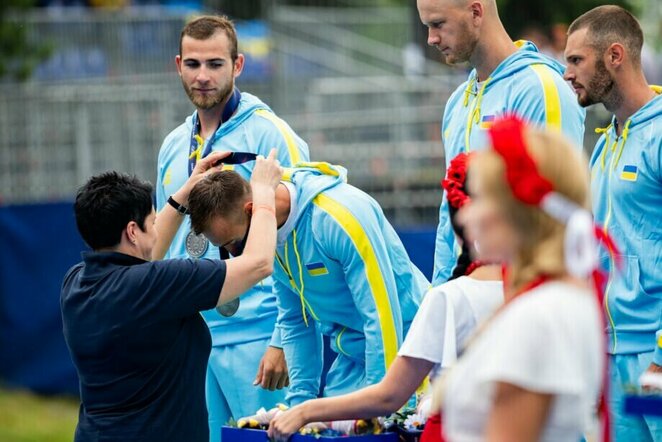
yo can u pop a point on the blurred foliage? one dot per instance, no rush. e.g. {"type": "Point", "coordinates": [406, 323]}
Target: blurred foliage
{"type": "Point", "coordinates": [26, 417]}
{"type": "Point", "coordinates": [518, 15]}
{"type": "Point", "coordinates": [250, 9]}
{"type": "Point", "coordinates": [18, 55]}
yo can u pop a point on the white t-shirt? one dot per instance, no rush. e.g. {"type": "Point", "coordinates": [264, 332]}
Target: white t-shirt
{"type": "Point", "coordinates": [548, 340]}
{"type": "Point", "coordinates": [447, 317]}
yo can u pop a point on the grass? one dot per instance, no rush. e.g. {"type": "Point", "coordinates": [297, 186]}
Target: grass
{"type": "Point", "coordinates": [26, 417]}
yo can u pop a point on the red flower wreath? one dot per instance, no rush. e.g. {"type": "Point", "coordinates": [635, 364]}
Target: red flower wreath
{"type": "Point", "coordinates": [455, 181]}
{"type": "Point", "coordinates": [527, 184]}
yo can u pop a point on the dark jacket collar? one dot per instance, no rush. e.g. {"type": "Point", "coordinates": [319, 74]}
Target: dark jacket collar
{"type": "Point", "coordinates": [100, 263]}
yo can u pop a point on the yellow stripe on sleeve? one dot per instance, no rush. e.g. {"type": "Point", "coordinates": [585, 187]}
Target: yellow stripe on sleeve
{"type": "Point", "coordinates": [373, 273]}
{"type": "Point", "coordinates": [285, 132]}
{"type": "Point", "coordinates": [552, 100]}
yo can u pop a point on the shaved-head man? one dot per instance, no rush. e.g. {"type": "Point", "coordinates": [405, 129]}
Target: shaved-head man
{"type": "Point", "coordinates": [507, 77]}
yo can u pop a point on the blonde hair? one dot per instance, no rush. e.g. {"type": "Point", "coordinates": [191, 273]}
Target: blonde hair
{"type": "Point", "coordinates": [541, 250]}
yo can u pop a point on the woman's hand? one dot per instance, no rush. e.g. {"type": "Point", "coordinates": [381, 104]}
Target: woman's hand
{"type": "Point", "coordinates": [286, 423]}
{"type": "Point", "coordinates": [267, 172]}
{"type": "Point", "coordinates": [203, 167]}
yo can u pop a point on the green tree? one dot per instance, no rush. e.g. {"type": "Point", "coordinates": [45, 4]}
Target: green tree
{"type": "Point", "coordinates": [517, 15]}
{"type": "Point", "coordinates": [18, 55]}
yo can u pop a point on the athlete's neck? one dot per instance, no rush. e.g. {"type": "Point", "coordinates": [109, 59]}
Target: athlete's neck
{"type": "Point", "coordinates": [633, 94]}
{"type": "Point", "coordinates": [282, 205]}
{"type": "Point", "coordinates": [490, 52]}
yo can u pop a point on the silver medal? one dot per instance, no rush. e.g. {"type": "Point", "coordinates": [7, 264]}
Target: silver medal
{"type": "Point", "coordinates": [196, 245]}
{"type": "Point", "coordinates": [229, 308]}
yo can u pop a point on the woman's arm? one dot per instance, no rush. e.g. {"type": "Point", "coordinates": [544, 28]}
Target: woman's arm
{"type": "Point", "coordinates": [517, 414]}
{"type": "Point", "coordinates": [400, 382]}
{"type": "Point", "coordinates": [168, 219]}
{"type": "Point", "coordinates": [257, 260]}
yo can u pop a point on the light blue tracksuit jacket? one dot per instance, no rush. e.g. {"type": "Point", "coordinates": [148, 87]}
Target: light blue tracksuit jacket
{"type": "Point", "coordinates": [253, 128]}
{"type": "Point", "coordinates": [341, 270]}
{"type": "Point", "coordinates": [626, 187]}
{"type": "Point", "coordinates": [527, 83]}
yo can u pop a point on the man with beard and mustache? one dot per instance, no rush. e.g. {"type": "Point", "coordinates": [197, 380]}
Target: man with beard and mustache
{"type": "Point", "coordinates": [247, 368]}
{"type": "Point", "coordinates": [604, 66]}
{"type": "Point", "coordinates": [507, 77]}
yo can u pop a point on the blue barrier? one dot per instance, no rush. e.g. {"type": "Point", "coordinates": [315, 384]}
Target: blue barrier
{"type": "Point", "coordinates": [38, 244]}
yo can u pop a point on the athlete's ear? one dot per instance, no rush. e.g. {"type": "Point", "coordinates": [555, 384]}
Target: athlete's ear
{"type": "Point", "coordinates": [477, 12]}
{"type": "Point", "coordinates": [615, 55]}
{"type": "Point", "coordinates": [178, 62]}
{"type": "Point", "coordinates": [238, 65]}
{"type": "Point", "coordinates": [248, 208]}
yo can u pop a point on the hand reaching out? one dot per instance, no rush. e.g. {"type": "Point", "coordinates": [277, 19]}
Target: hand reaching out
{"type": "Point", "coordinates": [267, 172]}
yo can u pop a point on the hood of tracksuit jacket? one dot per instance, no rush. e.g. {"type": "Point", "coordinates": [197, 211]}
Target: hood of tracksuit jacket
{"type": "Point", "coordinates": [309, 180]}
{"type": "Point", "coordinates": [650, 110]}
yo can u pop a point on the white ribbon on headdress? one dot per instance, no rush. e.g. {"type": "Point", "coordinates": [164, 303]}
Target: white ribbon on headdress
{"type": "Point", "coordinates": [580, 244]}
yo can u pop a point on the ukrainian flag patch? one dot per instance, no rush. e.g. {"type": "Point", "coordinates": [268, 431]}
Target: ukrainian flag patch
{"type": "Point", "coordinates": [317, 269]}
{"type": "Point", "coordinates": [487, 121]}
{"type": "Point", "coordinates": [629, 173]}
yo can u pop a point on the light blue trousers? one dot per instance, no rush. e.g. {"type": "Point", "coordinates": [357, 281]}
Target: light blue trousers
{"type": "Point", "coordinates": [230, 390]}
{"type": "Point", "coordinates": [345, 376]}
{"type": "Point", "coordinates": [625, 370]}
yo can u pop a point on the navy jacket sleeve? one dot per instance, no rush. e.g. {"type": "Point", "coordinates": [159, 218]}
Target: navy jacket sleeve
{"type": "Point", "coordinates": [177, 287]}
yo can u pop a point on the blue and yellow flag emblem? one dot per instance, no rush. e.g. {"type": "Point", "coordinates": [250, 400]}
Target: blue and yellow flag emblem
{"type": "Point", "coordinates": [317, 269]}
{"type": "Point", "coordinates": [487, 121]}
{"type": "Point", "coordinates": [629, 173]}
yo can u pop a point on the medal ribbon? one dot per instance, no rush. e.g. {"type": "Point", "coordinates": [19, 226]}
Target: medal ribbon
{"type": "Point", "coordinates": [197, 142]}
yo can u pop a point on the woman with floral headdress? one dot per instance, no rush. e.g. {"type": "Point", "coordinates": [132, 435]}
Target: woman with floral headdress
{"type": "Point", "coordinates": [534, 371]}
{"type": "Point", "coordinates": [446, 318]}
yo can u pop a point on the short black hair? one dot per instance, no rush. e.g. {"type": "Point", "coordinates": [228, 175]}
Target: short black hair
{"type": "Point", "coordinates": [107, 203]}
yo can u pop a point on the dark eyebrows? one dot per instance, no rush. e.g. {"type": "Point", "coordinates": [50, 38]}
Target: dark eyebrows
{"type": "Point", "coordinates": [211, 60]}
{"type": "Point", "coordinates": [573, 56]}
